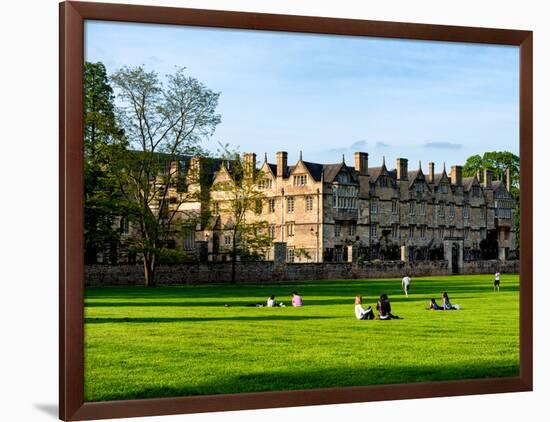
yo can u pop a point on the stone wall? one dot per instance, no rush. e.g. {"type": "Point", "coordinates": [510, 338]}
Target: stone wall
{"type": "Point", "coordinates": [257, 272]}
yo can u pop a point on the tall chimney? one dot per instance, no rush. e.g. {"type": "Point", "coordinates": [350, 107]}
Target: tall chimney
{"type": "Point", "coordinates": [282, 163]}
{"type": "Point", "coordinates": [431, 172]}
{"type": "Point", "coordinates": [362, 162]}
{"type": "Point", "coordinates": [487, 178]}
{"type": "Point", "coordinates": [402, 169]}
{"type": "Point", "coordinates": [456, 175]}
{"type": "Point", "coordinates": [249, 164]}
{"type": "Point", "coordinates": [508, 180]}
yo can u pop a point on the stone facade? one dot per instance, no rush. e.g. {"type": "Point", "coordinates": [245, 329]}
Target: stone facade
{"type": "Point", "coordinates": [340, 213]}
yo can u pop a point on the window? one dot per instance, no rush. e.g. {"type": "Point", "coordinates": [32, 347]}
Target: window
{"type": "Point", "coordinates": [344, 197]}
{"type": "Point", "coordinates": [189, 240]}
{"type": "Point", "coordinates": [265, 184]}
{"type": "Point", "coordinates": [258, 206]}
{"type": "Point", "coordinates": [441, 232]}
{"type": "Point", "coordinates": [466, 211]}
{"type": "Point", "coordinates": [290, 204]}
{"type": "Point", "coordinates": [507, 235]}
{"type": "Point", "coordinates": [227, 239]}
{"type": "Point", "coordinates": [411, 231]}
{"type": "Point", "coordinates": [124, 226]}
{"type": "Point", "coordinates": [441, 209]}
{"type": "Point", "coordinates": [475, 191]}
{"type": "Point", "coordinates": [452, 210]}
{"type": "Point", "coordinates": [423, 208]}
{"type": "Point", "coordinates": [290, 229]}
{"type": "Point", "coordinates": [309, 203]}
{"type": "Point", "coordinates": [215, 208]}
{"type": "Point", "coordinates": [411, 208]}
{"type": "Point", "coordinates": [173, 200]}
{"type": "Point", "coordinates": [343, 178]}
{"type": "Point", "coordinates": [383, 182]}
{"type": "Point", "coordinates": [271, 232]}
{"type": "Point", "coordinates": [419, 187]}
{"type": "Point", "coordinates": [443, 188]}
{"type": "Point", "coordinates": [395, 231]}
{"type": "Point", "coordinates": [423, 232]}
{"type": "Point", "coordinates": [337, 229]}
{"type": "Point", "coordinates": [483, 213]}
{"type": "Point", "coordinates": [352, 228]}
{"type": "Point", "coordinates": [300, 180]}
{"type": "Point", "coordinates": [483, 233]}
{"type": "Point", "coordinates": [452, 232]}
{"type": "Point", "coordinates": [290, 255]}
{"type": "Point", "coordinates": [373, 230]}
{"type": "Point", "coordinates": [394, 209]}
{"type": "Point", "coordinates": [374, 206]}
{"type": "Point", "coordinates": [466, 233]}
{"type": "Point", "coordinates": [171, 244]}
{"type": "Point", "coordinates": [271, 205]}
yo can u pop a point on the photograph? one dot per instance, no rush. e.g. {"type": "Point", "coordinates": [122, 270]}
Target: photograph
{"type": "Point", "coordinates": [270, 211]}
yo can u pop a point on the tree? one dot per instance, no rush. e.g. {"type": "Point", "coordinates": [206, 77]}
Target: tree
{"type": "Point", "coordinates": [165, 124]}
{"type": "Point", "coordinates": [499, 162]}
{"type": "Point", "coordinates": [240, 203]}
{"type": "Point", "coordinates": [102, 139]}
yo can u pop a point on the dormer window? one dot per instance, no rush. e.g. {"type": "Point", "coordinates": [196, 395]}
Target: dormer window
{"type": "Point", "coordinates": [343, 178]}
{"type": "Point", "coordinates": [265, 184]}
{"type": "Point", "coordinates": [443, 188]}
{"type": "Point", "coordinates": [383, 182]}
{"type": "Point", "coordinates": [300, 180]}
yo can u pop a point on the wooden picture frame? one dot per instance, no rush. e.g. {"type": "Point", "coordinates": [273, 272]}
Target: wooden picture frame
{"type": "Point", "coordinates": [71, 268]}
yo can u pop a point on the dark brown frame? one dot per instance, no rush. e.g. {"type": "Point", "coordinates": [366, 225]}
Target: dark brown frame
{"type": "Point", "coordinates": [71, 268]}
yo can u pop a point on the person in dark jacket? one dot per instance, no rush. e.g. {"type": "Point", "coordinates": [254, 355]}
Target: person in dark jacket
{"type": "Point", "coordinates": [384, 308]}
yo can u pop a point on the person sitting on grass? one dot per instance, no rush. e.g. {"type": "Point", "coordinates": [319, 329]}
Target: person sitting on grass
{"type": "Point", "coordinates": [296, 299]}
{"type": "Point", "coordinates": [272, 304]}
{"type": "Point", "coordinates": [361, 313]}
{"type": "Point", "coordinates": [434, 306]}
{"type": "Point", "coordinates": [384, 308]}
{"type": "Point", "coordinates": [447, 305]}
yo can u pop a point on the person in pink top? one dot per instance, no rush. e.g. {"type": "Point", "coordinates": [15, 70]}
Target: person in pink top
{"type": "Point", "coordinates": [296, 299]}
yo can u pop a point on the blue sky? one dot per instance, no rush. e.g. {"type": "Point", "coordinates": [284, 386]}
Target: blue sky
{"type": "Point", "coordinates": [333, 95]}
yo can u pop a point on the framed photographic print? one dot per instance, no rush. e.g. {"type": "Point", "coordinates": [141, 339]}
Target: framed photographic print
{"type": "Point", "coordinates": [271, 210]}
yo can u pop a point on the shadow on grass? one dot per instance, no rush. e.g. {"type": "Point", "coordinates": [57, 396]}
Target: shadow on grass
{"type": "Point", "coordinates": [203, 319]}
{"type": "Point", "coordinates": [299, 379]}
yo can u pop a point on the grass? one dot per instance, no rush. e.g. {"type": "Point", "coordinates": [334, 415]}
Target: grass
{"type": "Point", "coordinates": [182, 340]}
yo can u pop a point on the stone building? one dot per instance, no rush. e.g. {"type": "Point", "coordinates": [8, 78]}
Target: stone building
{"type": "Point", "coordinates": [340, 212]}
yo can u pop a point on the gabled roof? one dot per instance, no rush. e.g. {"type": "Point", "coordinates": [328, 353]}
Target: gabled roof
{"type": "Point", "coordinates": [330, 171]}
{"type": "Point", "coordinates": [468, 182]}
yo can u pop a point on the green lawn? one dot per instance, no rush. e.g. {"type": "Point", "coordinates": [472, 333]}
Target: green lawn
{"type": "Point", "coordinates": [182, 340]}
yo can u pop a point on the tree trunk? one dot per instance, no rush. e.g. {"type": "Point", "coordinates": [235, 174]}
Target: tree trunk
{"type": "Point", "coordinates": [149, 269]}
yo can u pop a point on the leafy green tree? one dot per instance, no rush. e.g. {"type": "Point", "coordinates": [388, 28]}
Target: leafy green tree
{"type": "Point", "coordinates": [240, 203]}
{"type": "Point", "coordinates": [103, 138]}
{"type": "Point", "coordinates": [165, 123]}
{"type": "Point", "coordinates": [499, 162]}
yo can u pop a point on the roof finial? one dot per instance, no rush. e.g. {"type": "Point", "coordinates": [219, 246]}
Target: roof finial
{"type": "Point", "coordinates": [383, 161]}
{"type": "Point", "coordinates": [420, 165]}
{"type": "Point", "coordinates": [300, 155]}
{"type": "Point", "coordinates": [444, 170]}
{"type": "Point", "coordinates": [265, 157]}
{"type": "Point", "coordinates": [343, 158]}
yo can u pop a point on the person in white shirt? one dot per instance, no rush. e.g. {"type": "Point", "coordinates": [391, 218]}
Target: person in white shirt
{"type": "Point", "coordinates": [496, 284]}
{"type": "Point", "coordinates": [361, 313]}
{"type": "Point", "coordinates": [271, 302]}
{"type": "Point", "coordinates": [406, 284]}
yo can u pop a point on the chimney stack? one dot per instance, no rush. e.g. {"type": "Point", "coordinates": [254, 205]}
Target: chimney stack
{"type": "Point", "coordinates": [362, 162]}
{"type": "Point", "coordinates": [249, 164]}
{"type": "Point", "coordinates": [487, 178]}
{"type": "Point", "coordinates": [456, 175]}
{"type": "Point", "coordinates": [195, 169]}
{"type": "Point", "coordinates": [402, 169]}
{"type": "Point", "coordinates": [282, 163]}
{"type": "Point", "coordinates": [431, 172]}
{"type": "Point", "coordinates": [508, 180]}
